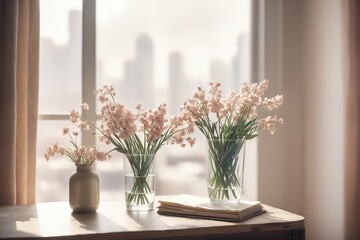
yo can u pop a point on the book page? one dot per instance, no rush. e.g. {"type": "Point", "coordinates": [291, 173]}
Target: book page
{"type": "Point", "coordinates": [200, 203]}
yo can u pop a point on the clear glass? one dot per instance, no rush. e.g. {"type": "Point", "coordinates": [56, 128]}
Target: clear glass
{"type": "Point", "coordinates": [152, 53]}
{"type": "Point", "coordinates": [225, 169]}
{"type": "Point", "coordinates": [139, 170]}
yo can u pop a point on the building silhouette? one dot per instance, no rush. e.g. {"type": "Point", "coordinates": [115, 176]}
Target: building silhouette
{"type": "Point", "coordinates": [65, 67]}
{"type": "Point", "coordinates": [238, 62]}
{"type": "Point", "coordinates": [139, 74]}
{"type": "Point", "coordinates": [220, 72]}
{"type": "Point", "coordinates": [177, 82]}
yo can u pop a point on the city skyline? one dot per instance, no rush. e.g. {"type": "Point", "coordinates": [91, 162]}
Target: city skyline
{"type": "Point", "coordinates": [137, 82]}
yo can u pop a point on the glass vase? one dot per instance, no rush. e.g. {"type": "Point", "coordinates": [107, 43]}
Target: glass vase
{"type": "Point", "coordinates": [225, 169]}
{"type": "Point", "coordinates": [84, 190]}
{"type": "Point", "coordinates": [139, 170]}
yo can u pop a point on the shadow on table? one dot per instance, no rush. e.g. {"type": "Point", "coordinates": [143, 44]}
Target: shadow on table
{"type": "Point", "coordinates": [148, 219]}
{"type": "Point", "coordinates": [13, 221]}
{"type": "Point", "coordinates": [96, 222]}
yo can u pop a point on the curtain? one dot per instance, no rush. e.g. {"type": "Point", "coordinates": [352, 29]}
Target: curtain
{"type": "Point", "coordinates": [352, 165]}
{"type": "Point", "coordinates": [19, 73]}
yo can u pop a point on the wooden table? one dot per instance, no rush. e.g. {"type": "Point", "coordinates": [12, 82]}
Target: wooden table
{"type": "Point", "coordinates": [54, 221]}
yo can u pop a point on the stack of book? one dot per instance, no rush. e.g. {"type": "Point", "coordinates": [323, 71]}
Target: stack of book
{"type": "Point", "coordinates": [199, 207]}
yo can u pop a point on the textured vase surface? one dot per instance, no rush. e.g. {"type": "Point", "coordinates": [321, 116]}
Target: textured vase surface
{"type": "Point", "coordinates": [84, 190]}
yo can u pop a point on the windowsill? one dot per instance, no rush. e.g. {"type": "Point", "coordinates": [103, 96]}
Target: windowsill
{"type": "Point", "coordinates": [54, 220]}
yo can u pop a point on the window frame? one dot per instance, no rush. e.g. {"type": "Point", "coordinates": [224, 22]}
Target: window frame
{"type": "Point", "coordinates": [88, 65]}
{"type": "Point", "coordinates": [88, 81]}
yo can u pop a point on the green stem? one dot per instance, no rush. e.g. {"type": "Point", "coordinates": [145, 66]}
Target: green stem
{"type": "Point", "coordinates": [141, 166]}
{"type": "Point", "coordinates": [224, 157]}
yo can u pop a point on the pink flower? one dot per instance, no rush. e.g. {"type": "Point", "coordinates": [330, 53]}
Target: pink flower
{"type": "Point", "coordinates": [104, 93]}
{"type": "Point", "coordinates": [65, 131]}
{"type": "Point", "coordinates": [138, 106]}
{"type": "Point", "coordinates": [103, 99]}
{"type": "Point", "coordinates": [61, 151]}
{"type": "Point", "coordinates": [47, 156]}
{"type": "Point", "coordinates": [84, 107]}
{"type": "Point", "coordinates": [140, 129]}
{"type": "Point", "coordinates": [84, 125]}
{"type": "Point", "coordinates": [191, 141]}
{"type": "Point", "coordinates": [101, 156]}
{"type": "Point", "coordinates": [269, 123]}
{"type": "Point", "coordinates": [104, 139]}
{"type": "Point", "coordinates": [80, 155]}
{"type": "Point", "coordinates": [216, 116]}
{"type": "Point", "coordinates": [153, 122]}
{"type": "Point", "coordinates": [52, 150]}
{"type": "Point", "coordinates": [273, 103]}
{"type": "Point", "coordinates": [262, 87]}
{"type": "Point", "coordinates": [74, 116]}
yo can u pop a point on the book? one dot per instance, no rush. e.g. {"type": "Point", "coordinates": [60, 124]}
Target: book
{"type": "Point", "coordinates": [198, 207]}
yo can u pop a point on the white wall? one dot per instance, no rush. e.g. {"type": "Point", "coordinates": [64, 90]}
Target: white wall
{"type": "Point", "coordinates": [301, 167]}
{"type": "Point", "coordinates": [281, 156]}
{"type": "Point", "coordinates": [324, 119]}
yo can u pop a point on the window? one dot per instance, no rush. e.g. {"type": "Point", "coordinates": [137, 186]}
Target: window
{"type": "Point", "coordinates": [60, 90]}
{"type": "Point", "coordinates": [151, 51]}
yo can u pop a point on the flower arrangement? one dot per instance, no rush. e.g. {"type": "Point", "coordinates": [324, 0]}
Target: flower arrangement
{"type": "Point", "coordinates": [227, 123]}
{"type": "Point", "coordinates": [139, 134]}
{"type": "Point", "coordinates": [80, 155]}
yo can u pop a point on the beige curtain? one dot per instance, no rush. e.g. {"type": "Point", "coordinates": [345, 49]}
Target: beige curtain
{"type": "Point", "coordinates": [352, 166]}
{"type": "Point", "coordinates": [19, 71]}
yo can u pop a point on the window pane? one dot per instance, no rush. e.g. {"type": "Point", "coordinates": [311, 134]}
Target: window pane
{"type": "Point", "coordinates": [111, 175]}
{"type": "Point", "coordinates": [60, 90]}
{"type": "Point", "coordinates": [60, 55]}
{"type": "Point", "coordinates": [160, 51]}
